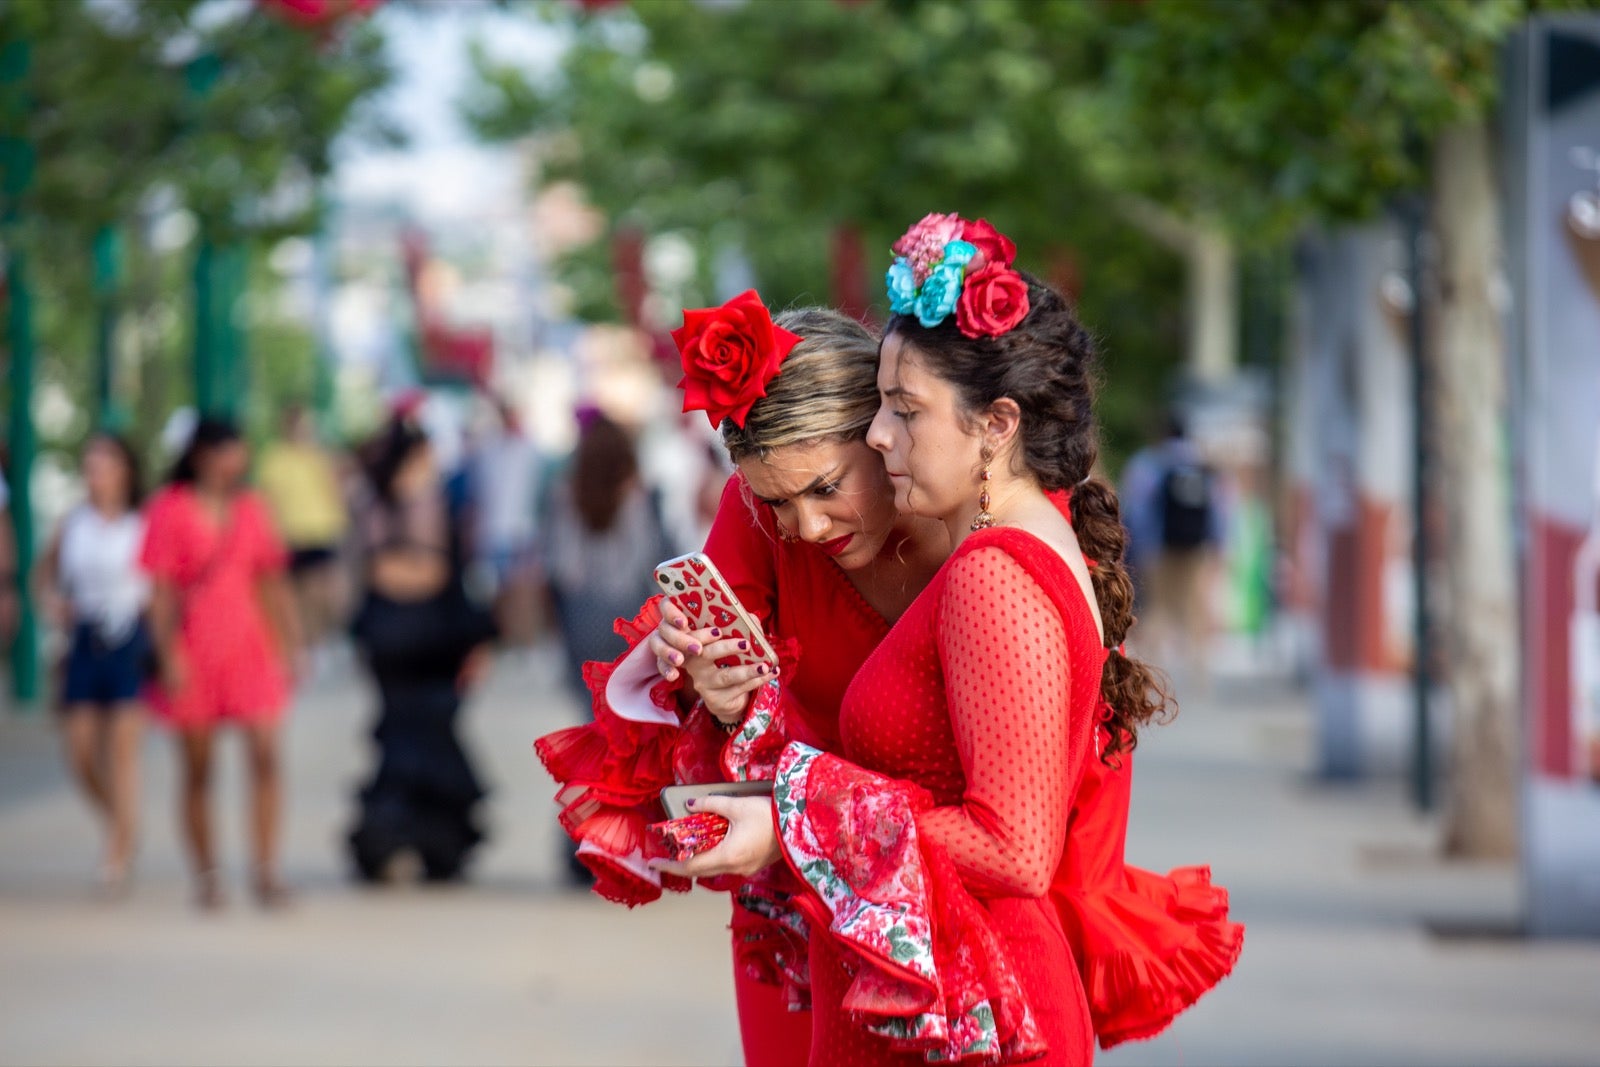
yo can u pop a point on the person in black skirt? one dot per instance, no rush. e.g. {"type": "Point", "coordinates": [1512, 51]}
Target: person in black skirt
{"type": "Point", "coordinates": [425, 643]}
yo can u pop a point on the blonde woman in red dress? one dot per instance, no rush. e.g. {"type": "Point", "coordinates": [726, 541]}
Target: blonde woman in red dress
{"type": "Point", "coordinates": [935, 847]}
{"type": "Point", "coordinates": [808, 537]}
{"type": "Point", "coordinates": [224, 627]}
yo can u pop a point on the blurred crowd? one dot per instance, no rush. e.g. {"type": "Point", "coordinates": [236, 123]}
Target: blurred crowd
{"type": "Point", "coordinates": [251, 572]}
{"type": "Point", "coordinates": [418, 555]}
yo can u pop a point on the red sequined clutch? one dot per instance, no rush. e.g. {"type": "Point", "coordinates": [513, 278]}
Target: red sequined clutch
{"type": "Point", "coordinates": [678, 839]}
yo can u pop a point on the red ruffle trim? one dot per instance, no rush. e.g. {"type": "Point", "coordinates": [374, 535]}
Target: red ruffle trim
{"type": "Point", "coordinates": [611, 772]}
{"type": "Point", "coordinates": [1150, 948]}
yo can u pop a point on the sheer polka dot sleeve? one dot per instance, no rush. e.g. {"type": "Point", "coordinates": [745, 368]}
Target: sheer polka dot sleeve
{"type": "Point", "coordinates": [1005, 657]}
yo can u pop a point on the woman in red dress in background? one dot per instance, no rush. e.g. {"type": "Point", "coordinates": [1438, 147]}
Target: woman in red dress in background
{"type": "Point", "coordinates": [938, 855]}
{"type": "Point", "coordinates": [224, 629]}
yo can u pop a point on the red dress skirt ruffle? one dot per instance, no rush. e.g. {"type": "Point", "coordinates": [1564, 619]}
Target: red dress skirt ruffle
{"type": "Point", "coordinates": [1148, 945]}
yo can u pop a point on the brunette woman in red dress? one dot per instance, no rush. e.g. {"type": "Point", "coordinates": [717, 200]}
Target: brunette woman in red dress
{"type": "Point", "coordinates": [828, 613]}
{"type": "Point", "coordinates": [936, 849]}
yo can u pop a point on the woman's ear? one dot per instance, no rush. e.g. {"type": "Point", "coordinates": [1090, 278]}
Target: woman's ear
{"type": "Point", "coordinates": [1002, 423]}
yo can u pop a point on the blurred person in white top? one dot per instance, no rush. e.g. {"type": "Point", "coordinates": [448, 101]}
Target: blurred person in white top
{"type": "Point", "coordinates": [92, 586]}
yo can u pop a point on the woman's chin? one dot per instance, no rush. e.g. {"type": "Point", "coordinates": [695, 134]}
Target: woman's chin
{"type": "Point", "coordinates": [902, 496]}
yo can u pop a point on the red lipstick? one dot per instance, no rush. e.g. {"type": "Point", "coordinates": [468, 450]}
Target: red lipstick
{"type": "Point", "coordinates": [837, 545]}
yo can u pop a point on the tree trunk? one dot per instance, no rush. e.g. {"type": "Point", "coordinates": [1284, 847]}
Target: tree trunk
{"type": "Point", "coordinates": [1213, 306]}
{"type": "Point", "coordinates": [1211, 279]}
{"type": "Point", "coordinates": [1479, 628]}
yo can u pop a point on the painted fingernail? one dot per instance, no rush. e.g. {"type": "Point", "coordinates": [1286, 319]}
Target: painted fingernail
{"type": "Point", "coordinates": [694, 648]}
{"type": "Point", "coordinates": [743, 645]}
{"type": "Point", "coordinates": [761, 668]}
{"type": "Point", "coordinates": [689, 803]}
{"type": "Point", "coordinates": [715, 632]}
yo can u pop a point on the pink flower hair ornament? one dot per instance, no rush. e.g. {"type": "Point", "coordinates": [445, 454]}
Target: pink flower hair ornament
{"type": "Point", "coordinates": [946, 264]}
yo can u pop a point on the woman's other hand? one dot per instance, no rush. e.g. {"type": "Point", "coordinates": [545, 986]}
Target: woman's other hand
{"type": "Point", "coordinates": [751, 845]}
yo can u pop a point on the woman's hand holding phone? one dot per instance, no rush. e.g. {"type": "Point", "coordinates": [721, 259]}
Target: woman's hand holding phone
{"type": "Point", "coordinates": [678, 650]}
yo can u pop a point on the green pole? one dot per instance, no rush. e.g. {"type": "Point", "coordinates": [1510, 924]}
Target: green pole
{"type": "Point", "coordinates": [17, 155]}
{"type": "Point", "coordinates": [207, 388]}
{"type": "Point", "coordinates": [108, 410]}
{"type": "Point", "coordinates": [236, 364]}
{"type": "Point", "coordinates": [212, 385]}
{"type": "Point", "coordinates": [24, 446]}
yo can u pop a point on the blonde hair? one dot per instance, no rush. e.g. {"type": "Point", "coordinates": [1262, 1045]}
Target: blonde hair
{"type": "Point", "coordinates": [827, 389]}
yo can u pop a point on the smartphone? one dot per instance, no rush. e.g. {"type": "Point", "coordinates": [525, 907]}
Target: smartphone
{"type": "Point", "coordinates": [706, 599]}
{"type": "Point", "coordinates": [674, 797]}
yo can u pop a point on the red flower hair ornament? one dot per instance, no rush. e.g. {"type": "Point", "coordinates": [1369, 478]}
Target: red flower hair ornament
{"type": "Point", "coordinates": [730, 354]}
{"type": "Point", "coordinates": [946, 265]}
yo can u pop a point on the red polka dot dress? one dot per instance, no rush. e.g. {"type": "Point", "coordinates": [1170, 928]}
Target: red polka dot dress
{"type": "Point", "coordinates": [985, 696]}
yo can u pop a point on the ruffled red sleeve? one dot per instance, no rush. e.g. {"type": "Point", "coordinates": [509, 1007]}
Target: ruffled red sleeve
{"type": "Point", "coordinates": [1148, 945]}
{"type": "Point", "coordinates": [611, 772]}
{"type": "Point", "coordinates": [932, 974]}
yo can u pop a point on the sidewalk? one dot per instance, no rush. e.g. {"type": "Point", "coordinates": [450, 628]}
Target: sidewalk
{"type": "Point", "coordinates": [512, 969]}
{"type": "Point", "coordinates": [1337, 887]}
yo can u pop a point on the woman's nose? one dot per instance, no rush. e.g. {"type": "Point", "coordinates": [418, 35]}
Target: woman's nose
{"type": "Point", "coordinates": [878, 433]}
{"type": "Point", "coordinates": [814, 524]}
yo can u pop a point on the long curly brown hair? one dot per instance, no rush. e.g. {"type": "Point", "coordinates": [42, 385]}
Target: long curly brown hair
{"type": "Point", "coordinates": [1047, 365]}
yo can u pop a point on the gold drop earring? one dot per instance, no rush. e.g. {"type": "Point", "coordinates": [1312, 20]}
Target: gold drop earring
{"type": "Point", "coordinates": [984, 520]}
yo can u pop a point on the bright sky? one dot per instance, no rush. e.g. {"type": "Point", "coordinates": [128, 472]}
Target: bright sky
{"type": "Point", "coordinates": [443, 173]}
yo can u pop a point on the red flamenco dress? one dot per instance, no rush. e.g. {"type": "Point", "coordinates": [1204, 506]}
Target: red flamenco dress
{"type": "Point", "coordinates": [1146, 946]}
{"type": "Point", "coordinates": [931, 846]}
{"type": "Point", "coordinates": [611, 770]}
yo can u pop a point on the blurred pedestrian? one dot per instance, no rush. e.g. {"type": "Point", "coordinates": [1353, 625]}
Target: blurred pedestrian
{"type": "Point", "coordinates": [91, 585]}
{"type": "Point", "coordinates": [503, 475]}
{"type": "Point", "coordinates": [603, 541]}
{"type": "Point", "coordinates": [1173, 511]}
{"type": "Point", "coordinates": [425, 643]}
{"type": "Point", "coordinates": [224, 625]}
{"type": "Point", "coordinates": [300, 481]}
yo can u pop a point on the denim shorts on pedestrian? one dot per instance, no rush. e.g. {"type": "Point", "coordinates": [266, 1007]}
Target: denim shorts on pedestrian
{"type": "Point", "coordinates": [104, 674]}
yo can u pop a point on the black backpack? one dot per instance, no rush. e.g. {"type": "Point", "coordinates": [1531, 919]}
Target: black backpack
{"type": "Point", "coordinates": [1186, 505]}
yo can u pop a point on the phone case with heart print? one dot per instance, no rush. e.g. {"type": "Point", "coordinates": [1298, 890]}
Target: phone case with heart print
{"type": "Point", "coordinates": [698, 589]}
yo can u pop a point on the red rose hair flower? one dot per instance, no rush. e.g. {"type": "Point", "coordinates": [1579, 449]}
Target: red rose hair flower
{"type": "Point", "coordinates": [992, 245]}
{"type": "Point", "coordinates": [730, 354]}
{"type": "Point", "coordinates": [993, 300]}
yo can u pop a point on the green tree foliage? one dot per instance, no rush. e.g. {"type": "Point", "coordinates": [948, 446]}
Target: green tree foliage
{"type": "Point", "coordinates": [132, 110]}
{"type": "Point", "coordinates": [1269, 114]}
{"type": "Point", "coordinates": [764, 127]}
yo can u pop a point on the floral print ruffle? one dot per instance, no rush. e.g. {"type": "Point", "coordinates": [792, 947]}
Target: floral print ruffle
{"type": "Point", "coordinates": [933, 975]}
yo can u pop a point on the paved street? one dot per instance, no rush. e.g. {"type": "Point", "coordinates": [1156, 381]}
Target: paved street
{"type": "Point", "coordinates": [1337, 886]}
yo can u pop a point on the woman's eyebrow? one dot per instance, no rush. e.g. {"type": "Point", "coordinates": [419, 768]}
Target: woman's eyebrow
{"type": "Point", "coordinates": [820, 479]}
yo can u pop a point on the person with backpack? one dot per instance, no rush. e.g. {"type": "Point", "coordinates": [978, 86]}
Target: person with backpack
{"type": "Point", "coordinates": [1173, 512]}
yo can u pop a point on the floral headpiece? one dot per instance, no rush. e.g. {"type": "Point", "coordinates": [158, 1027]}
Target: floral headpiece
{"type": "Point", "coordinates": [730, 355]}
{"type": "Point", "coordinates": [946, 263]}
